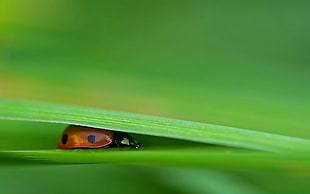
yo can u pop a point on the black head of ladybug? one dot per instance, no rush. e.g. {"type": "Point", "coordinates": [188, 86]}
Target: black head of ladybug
{"type": "Point", "coordinates": [122, 139]}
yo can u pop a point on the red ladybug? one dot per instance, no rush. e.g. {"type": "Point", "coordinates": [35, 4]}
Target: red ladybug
{"type": "Point", "coordinates": [87, 137]}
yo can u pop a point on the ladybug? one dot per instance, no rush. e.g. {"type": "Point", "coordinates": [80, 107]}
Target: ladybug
{"type": "Point", "coordinates": [87, 137]}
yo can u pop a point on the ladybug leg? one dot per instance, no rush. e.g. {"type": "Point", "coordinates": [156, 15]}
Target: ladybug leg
{"type": "Point", "coordinates": [118, 143]}
{"type": "Point", "coordinates": [78, 149]}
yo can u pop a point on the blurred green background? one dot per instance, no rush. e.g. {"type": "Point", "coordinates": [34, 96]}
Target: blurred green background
{"type": "Point", "coordinates": [236, 63]}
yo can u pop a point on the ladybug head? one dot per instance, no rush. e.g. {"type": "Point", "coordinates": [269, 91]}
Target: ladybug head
{"type": "Point", "coordinates": [125, 140]}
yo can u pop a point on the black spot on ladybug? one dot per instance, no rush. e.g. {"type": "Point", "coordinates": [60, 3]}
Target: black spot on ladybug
{"type": "Point", "coordinates": [64, 139]}
{"type": "Point", "coordinates": [91, 138]}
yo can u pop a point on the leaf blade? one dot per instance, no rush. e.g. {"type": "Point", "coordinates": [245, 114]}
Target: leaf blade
{"type": "Point", "coordinates": [221, 158]}
{"type": "Point", "coordinates": [150, 125]}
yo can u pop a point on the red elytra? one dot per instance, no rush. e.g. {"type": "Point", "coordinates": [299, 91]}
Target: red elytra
{"type": "Point", "coordinates": [85, 137]}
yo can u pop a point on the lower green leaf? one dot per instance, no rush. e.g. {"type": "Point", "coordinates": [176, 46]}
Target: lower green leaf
{"type": "Point", "coordinates": [223, 158]}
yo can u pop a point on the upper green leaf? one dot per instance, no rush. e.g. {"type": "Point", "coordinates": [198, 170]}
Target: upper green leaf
{"type": "Point", "coordinates": [150, 125]}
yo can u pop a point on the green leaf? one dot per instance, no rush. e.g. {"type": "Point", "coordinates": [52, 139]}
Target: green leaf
{"type": "Point", "coordinates": [150, 125]}
{"type": "Point", "coordinates": [221, 158]}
